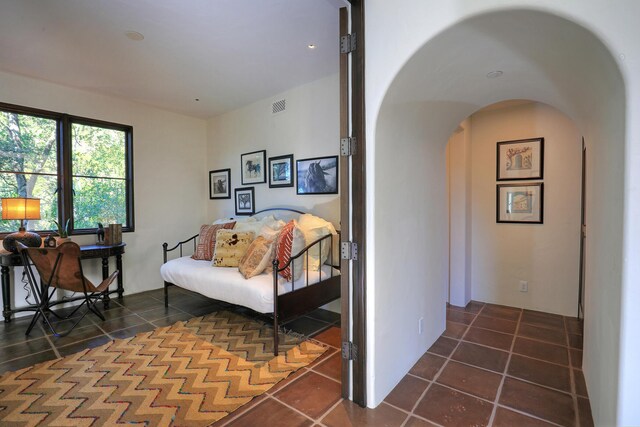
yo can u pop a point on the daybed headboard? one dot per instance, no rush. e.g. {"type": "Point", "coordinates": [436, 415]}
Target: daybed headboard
{"type": "Point", "coordinates": [285, 214]}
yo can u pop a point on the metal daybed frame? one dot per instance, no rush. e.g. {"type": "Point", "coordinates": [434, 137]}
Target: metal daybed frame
{"type": "Point", "coordinates": [292, 304]}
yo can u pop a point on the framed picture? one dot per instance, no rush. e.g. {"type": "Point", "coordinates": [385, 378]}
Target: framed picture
{"type": "Point", "coordinates": [220, 184]}
{"type": "Point", "coordinates": [520, 203]}
{"type": "Point", "coordinates": [253, 167]}
{"type": "Point", "coordinates": [281, 171]}
{"type": "Point", "coordinates": [244, 201]}
{"type": "Point", "coordinates": [317, 176]}
{"type": "Point", "coordinates": [522, 159]}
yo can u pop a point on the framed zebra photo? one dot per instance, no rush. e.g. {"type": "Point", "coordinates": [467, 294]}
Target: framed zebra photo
{"type": "Point", "coordinates": [318, 175]}
{"type": "Point", "coordinates": [253, 167]}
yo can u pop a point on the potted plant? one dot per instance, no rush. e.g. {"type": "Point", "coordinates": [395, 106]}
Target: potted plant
{"type": "Point", "coordinates": [63, 232]}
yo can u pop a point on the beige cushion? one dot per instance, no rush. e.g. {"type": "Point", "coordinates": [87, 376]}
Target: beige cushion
{"type": "Point", "coordinates": [257, 257]}
{"type": "Point", "coordinates": [313, 228]}
{"type": "Point", "coordinates": [231, 246]}
{"type": "Point", "coordinates": [269, 227]}
{"type": "Point", "coordinates": [234, 220]}
{"type": "Point", "coordinates": [317, 258]}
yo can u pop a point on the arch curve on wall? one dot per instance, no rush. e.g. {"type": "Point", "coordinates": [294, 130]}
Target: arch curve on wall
{"type": "Point", "coordinates": [544, 58]}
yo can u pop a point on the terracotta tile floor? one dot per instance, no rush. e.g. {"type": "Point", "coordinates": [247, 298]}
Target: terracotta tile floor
{"type": "Point", "coordinates": [493, 366]}
{"type": "Point", "coordinates": [497, 366]}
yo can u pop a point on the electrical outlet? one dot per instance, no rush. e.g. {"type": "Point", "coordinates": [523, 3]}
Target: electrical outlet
{"type": "Point", "coordinates": [524, 286]}
{"type": "Point", "coordinates": [420, 325]}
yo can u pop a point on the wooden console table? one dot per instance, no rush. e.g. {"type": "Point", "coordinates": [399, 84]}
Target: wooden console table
{"type": "Point", "coordinates": [10, 260]}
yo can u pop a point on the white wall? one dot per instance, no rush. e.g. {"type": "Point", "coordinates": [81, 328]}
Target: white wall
{"type": "Point", "coordinates": [460, 214]}
{"type": "Point", "coordinates": [310, 127]}
{"type": "Point", "coordinates": [546, 255]}
{"type": "Point", "coordinates": [597, 84]}
{"type": "Point", "coordinates": [412, 259]}
{"type": "Point", "coordinates": [169, 171]}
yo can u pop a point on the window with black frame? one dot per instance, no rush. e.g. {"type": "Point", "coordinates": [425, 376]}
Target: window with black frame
{"type": "Point", "coordinates": [99, 175]}
{"type": "Point", "coordinates": [80, 169]}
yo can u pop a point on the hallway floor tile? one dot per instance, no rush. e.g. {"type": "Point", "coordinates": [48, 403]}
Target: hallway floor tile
{"type": "Point", "coordinates": [493, 366]}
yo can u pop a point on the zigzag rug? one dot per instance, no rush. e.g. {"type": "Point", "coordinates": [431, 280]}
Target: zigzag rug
{"type": "Point", "coordinates": [189, 374]}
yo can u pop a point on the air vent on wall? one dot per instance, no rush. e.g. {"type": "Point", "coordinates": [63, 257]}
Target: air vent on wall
{"type": "Point", "coordinates": [278, 106]}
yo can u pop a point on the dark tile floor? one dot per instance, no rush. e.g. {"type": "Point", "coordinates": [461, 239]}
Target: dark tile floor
{"type": "Point", "coordinates": [493, 365]}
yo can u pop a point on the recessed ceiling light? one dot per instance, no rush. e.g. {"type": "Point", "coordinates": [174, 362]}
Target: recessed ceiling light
{"type": "Point", "coordinates": [311, 46]}
{"type": "Point", "coordinates": [134, 35]}
{"type": "Point", "coordinates": [494, 74]}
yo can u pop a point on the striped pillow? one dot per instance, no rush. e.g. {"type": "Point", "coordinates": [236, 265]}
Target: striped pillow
{"type": "Point", "coordinates": [290, 242]}
{"type": "Point", "coordinates": [207, 240]}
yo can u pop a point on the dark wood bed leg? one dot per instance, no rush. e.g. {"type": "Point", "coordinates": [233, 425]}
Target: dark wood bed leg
{"type": "Point", "coordinates": [275, 307]}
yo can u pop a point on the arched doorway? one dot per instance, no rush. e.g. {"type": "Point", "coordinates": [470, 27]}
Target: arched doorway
{"type": "Point", "coordinates": [517, 261]}
{"type": "Point", "coordinates": [543, 58]}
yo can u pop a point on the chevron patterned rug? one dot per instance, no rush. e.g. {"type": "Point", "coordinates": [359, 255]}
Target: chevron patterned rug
{"type": "Point", "coordinates": [189, 374]}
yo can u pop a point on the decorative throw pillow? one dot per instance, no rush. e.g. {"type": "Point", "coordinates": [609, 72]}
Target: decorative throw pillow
{"type": "Point", "coordinates": [317, 257]}
{"type": "Point", "coordinates": [231, 246]}
{"type": "Point", "coordinates": [309, 222]}
{"type": "Point", "coordinates": [290, 242]}
{"type": "Point", "coordinates": [257, 257]}
{"type": "Point", "coordinates": [267, 227]}
{"type": "Point", "coordinates": [235, 220]}
{"type": "Point", "coordinates": [207, 240]}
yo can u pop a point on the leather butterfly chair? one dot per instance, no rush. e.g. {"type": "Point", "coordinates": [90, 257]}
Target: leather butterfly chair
{"type": "Point", "coordinates": [60, 268]}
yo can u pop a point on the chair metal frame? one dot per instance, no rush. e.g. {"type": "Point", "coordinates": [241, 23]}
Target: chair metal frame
{"type": "Point", "coordinates": [44, 291]}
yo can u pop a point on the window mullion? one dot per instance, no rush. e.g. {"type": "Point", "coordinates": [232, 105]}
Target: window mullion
{"type": "Point", "coordinates": [65, 171]}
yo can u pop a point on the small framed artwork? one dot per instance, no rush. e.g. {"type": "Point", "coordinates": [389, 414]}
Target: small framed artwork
{"type": "Point", "coordinates": [520, 203]}
{"type": "Point", "coordinates": [244, 201]}
{"type": "Point", "coordinates": [253, 167]}
{"type": "Point", "coordinates": [522, 159]}
{"type": "Point", "coordinates": [281, 171]}
{"type": "Point", "coordinates": [318, 175]}
{"type": "Point", "coordinates": [220, 184]}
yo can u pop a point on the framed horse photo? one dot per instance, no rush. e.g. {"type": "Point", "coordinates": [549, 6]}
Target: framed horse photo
{"type": "Point", "coordinates": [253, 167]}
{"type": "Point", "coordinates": [220, 184]}
{"type": "Point", "coordinates": [317, 176]}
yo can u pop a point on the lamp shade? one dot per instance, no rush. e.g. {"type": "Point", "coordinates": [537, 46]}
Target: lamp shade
{"type": "Point", "coordinates": [20, 208]}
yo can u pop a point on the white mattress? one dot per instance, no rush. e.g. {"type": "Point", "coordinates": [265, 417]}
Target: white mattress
{"type": "Point", "coordinates": [227, 284]}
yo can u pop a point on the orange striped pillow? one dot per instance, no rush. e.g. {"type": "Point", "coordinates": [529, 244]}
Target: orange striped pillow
{"type": "Point", "coordinates": [290, 242]}
{"type": "Point", "coordinates": [207, 240]}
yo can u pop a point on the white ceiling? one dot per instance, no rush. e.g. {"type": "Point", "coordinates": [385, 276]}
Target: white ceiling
{"type": "Point", "coordinates": [227, 53]}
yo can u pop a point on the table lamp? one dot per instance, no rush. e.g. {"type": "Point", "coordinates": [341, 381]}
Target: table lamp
{"type": "Point", "coordinates": [21, 208]}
